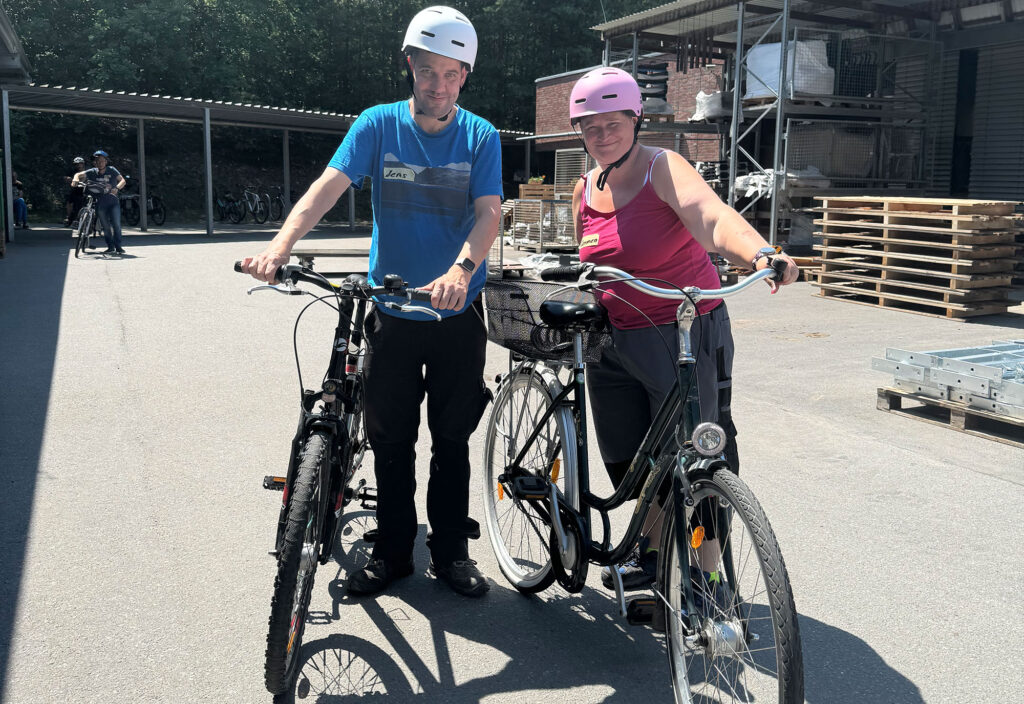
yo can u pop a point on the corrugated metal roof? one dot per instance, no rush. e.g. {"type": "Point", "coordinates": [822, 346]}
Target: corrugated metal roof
{"type": "Point", "coordinates": [14, 67]}
{"type": "Point", "coordinates": [123, 104]}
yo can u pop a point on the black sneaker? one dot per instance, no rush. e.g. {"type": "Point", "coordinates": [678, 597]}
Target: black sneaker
{"type": "Point", "coordinates": [638, 571]}
{"type": "Point", "coordinates": [120, 250]}
{"type": "Point", "coordinates": [463, 577]}
{"type": "Point", "coordinates": [377, 575]}
{"type": "Point", "coordinates": [109, 250]}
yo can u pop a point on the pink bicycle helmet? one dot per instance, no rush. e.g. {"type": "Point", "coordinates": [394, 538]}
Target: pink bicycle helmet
{"type": "Point", "coordinates": [604, 89]}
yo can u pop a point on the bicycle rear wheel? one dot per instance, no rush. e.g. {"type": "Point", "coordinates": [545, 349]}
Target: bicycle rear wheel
{"type": "Point", "coordinates": [276, 208]}
{"type": "Point", "coordinates": [296, 567]}
{"type": "Point", "coordinates": [130, 209]}
{"type": "Point", "coordinates": [748, 647]}
{"type": "Point", "coordinates": [236, 211]}
{"type": "Point", "coordinates": [519, 530]}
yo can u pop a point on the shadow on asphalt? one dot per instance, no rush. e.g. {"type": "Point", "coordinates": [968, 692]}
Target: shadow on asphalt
{"type": "Point", "coordinates": [30, 302]}
{"type": "Point", "coordinates": [540, 637]}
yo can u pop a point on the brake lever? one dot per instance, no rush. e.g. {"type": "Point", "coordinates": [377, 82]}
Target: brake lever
{"type": "Point", "coordinates": [286, 289]}
{"type": "Point", "coordinates": [411, 309]}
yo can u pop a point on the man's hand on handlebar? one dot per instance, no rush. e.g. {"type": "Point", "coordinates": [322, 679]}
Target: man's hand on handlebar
{"type": "Point", "coordinates": [449, 292]}
{"type": "Point", "coordinates": [264, 266]}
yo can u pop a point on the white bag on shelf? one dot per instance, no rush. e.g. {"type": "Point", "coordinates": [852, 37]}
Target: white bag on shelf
{"type": "Point", "coordinates": [807, 70]}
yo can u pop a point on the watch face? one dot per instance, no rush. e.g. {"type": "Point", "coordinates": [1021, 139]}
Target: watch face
{"type": "Point", "coordinates": [467, 264]}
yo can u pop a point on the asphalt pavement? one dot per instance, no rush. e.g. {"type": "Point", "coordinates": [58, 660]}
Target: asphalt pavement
{"type": "Point", "coordinates": [143, 398]}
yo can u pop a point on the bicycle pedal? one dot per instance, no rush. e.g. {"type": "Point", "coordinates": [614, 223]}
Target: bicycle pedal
{"type": "Point", "coordinates": [371, 535]}
{"type": "Point", "coordinates": [274, 483]}
{"type": "Point", "coordinates": [641, 610]}
{"type": "Point", "coordinates": [530, 487]}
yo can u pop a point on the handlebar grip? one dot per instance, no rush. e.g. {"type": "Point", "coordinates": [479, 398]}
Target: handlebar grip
{"type": "Point", "coordinates": [779, 265]}
{"type": "Point", "coordinates": [238, 267]}
{"type": "Point", "coordinates": [288, 271]}
{"type": "Point", "coordinates": [563, 273]}
{"type": "Point", "coordinates": [418, 294]}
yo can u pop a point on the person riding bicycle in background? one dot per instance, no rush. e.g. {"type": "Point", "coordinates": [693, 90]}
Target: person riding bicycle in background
{"type": "Point", "coordinates": [18, 201]}
{"type": "Point", "coordinates": [107, 205]}
{"type": "Point", "coordinates": [647, 211]}
{"type": "Point", "coordinates": [74, 199]}
{"type": "Point", "coordinates": [436, 191]}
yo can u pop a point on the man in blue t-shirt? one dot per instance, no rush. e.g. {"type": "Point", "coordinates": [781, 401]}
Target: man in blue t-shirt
{"type": "Point", "coordinates": [436, 177]}
{"type": "Point", "coordinates": [108, 206]}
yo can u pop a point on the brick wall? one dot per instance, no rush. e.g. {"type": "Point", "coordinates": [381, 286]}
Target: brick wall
{"type": "Point", "coordinates": [553, 109]}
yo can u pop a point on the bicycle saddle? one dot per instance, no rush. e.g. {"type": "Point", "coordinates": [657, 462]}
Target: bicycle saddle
{"type": "Point", "coordinates": [560, 314]}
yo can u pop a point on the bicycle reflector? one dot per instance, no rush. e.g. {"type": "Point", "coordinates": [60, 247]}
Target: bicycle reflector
{"type": "Point", "coordinates": [709, 439]}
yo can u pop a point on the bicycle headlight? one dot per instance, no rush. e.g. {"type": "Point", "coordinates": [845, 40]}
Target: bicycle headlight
{"type": "Point", "coordinates": [709, 439]}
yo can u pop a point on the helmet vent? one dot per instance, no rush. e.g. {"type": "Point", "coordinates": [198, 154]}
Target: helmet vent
{"type": "Point", "coordinates": [462, 44]}
{"type": "Point", "coordinates": [609, 96]}
{"type": "Point", "coordinates": [580, 100]}
{"type": "Point", "coordinates": [428, 34]}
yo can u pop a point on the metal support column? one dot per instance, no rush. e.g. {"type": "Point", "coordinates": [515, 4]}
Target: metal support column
{"type": "Point", "coordinates": [208, 171]}
{"type": "Point", "coordinates": [529, 152]}
{"type": "Point", "coordinates": [606, 60]}
{"type": "Point", "coordinates": [8, 176]}
{"type": "Point", "coordinates": [779, 176]}
{"type": "Point", "coordinates": [285, 157]}
{"type": "Point", "coordinates": [636, 52]}
{"type": "Point", "coordinates": [351, 208]}
{"type": "Point", "coordinates": [143, 191]}
{"type": "Point", "coordinates": [737, 104]}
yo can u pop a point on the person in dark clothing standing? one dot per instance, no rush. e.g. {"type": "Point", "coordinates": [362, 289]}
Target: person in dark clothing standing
{"type": "Point", "coordinates": [107, 205]}
{"type": "Point", "coordinates": [73, 199]}
{"type": "Point", "coordinates": [436, 177]}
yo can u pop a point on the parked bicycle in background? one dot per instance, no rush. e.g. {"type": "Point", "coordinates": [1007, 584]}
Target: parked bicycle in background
{"type": "Point", "coordinates": [252, 204]}
{"type": "Point", "coordinates": [276, 207]}
{"type": "Point", "coordinates": [156, 212]}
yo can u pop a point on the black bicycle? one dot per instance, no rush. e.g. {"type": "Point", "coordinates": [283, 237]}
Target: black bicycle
{"type": "Point", "coordinates": [326, 452]}
{"type": "Point", "coordinates": [156, 211]}
{"type": "Point", "coordinates": [85, 227]}
{"type": "Point", "coordinates": [722, 594]}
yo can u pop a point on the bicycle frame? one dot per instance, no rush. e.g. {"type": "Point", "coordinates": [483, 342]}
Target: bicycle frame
{"type": "Point", "coordinates": [665, 451]}
{"type": "Point", "coordinates": [341, 399]}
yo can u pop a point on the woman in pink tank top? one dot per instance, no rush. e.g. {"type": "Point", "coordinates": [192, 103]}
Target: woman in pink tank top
{"type": "Point", "coordinates": [647, 211]}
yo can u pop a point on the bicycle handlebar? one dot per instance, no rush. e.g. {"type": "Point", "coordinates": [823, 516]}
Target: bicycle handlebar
{"type": "Point", "coordinates": [586, 274]}
{"type": "Point", "coordinates": [393, 284]}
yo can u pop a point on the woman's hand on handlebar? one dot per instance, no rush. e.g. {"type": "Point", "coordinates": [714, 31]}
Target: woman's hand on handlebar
{"type": "Point", "coordinates": [264, 266]}
{"type": "Point", "coordinates": [787, 276]}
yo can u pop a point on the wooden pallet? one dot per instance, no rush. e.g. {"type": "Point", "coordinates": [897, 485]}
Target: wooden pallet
{"type": "Point", "coordinates": [536, 190]}
{"type": "Point", "coordinates": [918, 234]}
{"type": "Point", "coordinates": [661, 117]}
{"type": "Point", "coordinates": [973, 421]}
{"type": "Point", "coordinates": [865, 294]}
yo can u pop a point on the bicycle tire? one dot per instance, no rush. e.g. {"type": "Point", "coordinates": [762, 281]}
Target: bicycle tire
{"type": "Point", "coordinates": [276, 208]}
{"type": "Point", "coordinates": [296, 567]}
{"type": "Point", "coordinates": [259, 213]}
{"type": "Point", "coordinates": [159, 212]}
{"type": "Point", "coordinates": [521, 401]}
{"type": "Point", "coordinates": [758, 604]}
{"type": "Point", "coordinates": [131, 212]}
{"type": "Point", "coordinates": [236, 211]}
{"type": "Point", "coordinates": [84, 227]}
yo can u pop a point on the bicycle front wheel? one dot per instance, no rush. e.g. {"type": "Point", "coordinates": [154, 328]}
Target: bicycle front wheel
{"type": "Point", "coordinates": [159, 212]}
{"type": "Point", "coordinates": [276, 208]}
{"type": "Point", "coordinates": [519, 530]}
{"type": "Point", "coordinates": [84, 228]}
{"type": "Point", "coordinates": [236, 212]}
{"type": "Point", "coordinates": [259, 211]}
{"type": "Point", "coordinates": [748, 645]}
{"type": "Point", "coordinates": [296, 567]}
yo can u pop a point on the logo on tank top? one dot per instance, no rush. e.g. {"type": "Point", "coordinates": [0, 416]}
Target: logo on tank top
{"type": "Point", "coordinates": [589, 241]}
{"type": "Point", "coordinates": [392, 173]}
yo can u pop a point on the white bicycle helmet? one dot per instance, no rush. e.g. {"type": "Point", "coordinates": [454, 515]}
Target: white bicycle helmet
{"type": "Point", "coordinates": [444, 31]}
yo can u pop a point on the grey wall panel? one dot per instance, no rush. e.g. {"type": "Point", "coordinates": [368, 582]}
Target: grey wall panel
{"type": "Point", "coordinates": [997, 154]}
{"type": "Point", "coordinates": [939, 157]}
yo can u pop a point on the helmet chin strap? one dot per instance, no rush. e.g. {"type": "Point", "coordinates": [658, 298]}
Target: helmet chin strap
{"type": "Point", "coordinates": [602, 178]}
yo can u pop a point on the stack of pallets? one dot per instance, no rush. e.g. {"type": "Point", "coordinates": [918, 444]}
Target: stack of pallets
{"type": "Point", "coordinates": [977, 390]}
{"type": "Point", "coordinates": [951, 258]}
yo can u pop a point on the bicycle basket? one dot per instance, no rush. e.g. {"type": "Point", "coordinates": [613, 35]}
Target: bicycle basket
{"type": "Point", "coordinates": [513, 321]}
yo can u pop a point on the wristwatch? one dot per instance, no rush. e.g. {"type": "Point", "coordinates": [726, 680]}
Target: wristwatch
{"type": "Point", "coordinates": [467, 264]}
{"type": "Point", "coordinates": [761, 253]}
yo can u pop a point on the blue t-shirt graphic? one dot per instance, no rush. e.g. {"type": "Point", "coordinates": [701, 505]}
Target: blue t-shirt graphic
{"type": "Point", "coordinates": [424, 186]}
{"type": "Point", "coordinates": [109, 179]}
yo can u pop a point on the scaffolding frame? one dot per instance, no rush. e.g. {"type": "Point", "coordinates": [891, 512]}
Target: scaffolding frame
{"type": "Point", "coordinates": [730, 30]}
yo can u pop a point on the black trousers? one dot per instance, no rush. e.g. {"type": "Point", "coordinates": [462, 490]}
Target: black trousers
{"type": "Point", "coordinates": [444, 361]}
